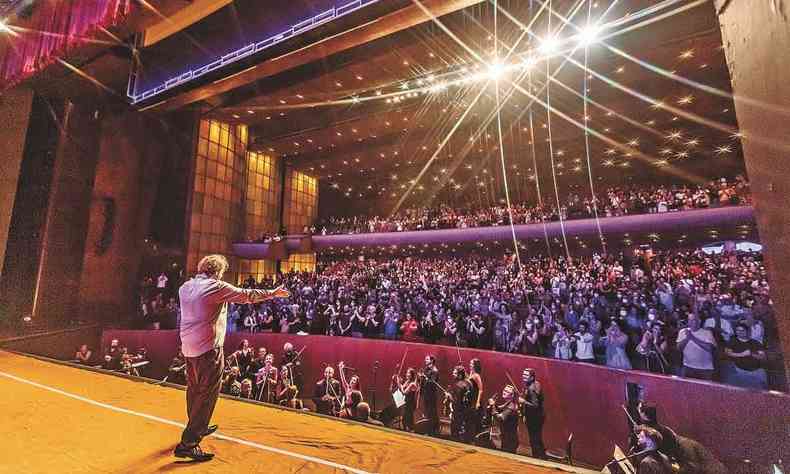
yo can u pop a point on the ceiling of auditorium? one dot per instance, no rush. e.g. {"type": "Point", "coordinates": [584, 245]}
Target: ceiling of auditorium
{"type": "Point", "coordinates": [414, 113]}
{"type": "Point", "coordinates": [401, 115]}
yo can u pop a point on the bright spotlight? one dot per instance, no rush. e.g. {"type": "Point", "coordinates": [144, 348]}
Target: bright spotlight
{"type": "Point", "coordinates": [438, 87]}
{"type": "Point", "coordinates": [589, 35]}
{"type": "Point", "coordinates": [495, 71]}
{"type": "Point", "coordinates": [549, 45]}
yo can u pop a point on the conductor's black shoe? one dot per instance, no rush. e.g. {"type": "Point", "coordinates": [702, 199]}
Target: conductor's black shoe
{"type": "Point", "coordinates": [211, 429]}
{"type": "Point", "coordinates": [194, 453]}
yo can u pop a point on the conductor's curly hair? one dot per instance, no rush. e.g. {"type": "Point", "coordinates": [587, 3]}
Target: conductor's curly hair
{"type": "Point", "coordinates": [213, 265]}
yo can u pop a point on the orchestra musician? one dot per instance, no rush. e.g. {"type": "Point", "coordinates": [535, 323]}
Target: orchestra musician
{"type": "Point", "coordinates": [287, 391]}
{"type": "Point", "coordinates": [428, 392]}
{"type": "Point", "coordinates": [408, 387]}
{"type": "Point", "coordinates": [353, 393]}
{"type": "Point", "coordinates": [474, 422]}
{"type": "Point", "coordinates": [291, 359]}
{"type": "Point", "coordinates": [112, 358]}
{"type": "Point", "coordinates": [259, 361]}
{"type": "Point", "coordinates": [507, 415]}
{"type": "Point", "coordinates": [231, 382]}
{"type": "Point", "coordinates": [328, 393]}
{"type": "Point", "coordinates": [245, 390]}
{"type": "Point", "coordinates": [177, 372]}
{"type": "Point", "coordinates": [649, 459]}
{"type": "Point", "coordinates": [243, 357]}
{"type": "Point", "coordinates": [531, 402]}
{"type": "Point", "coordinates": [266, 380]}
{"type": "Point", "coordinates": [689, 455]}
{"type": "Point", "coordinates": [460, 399]}
{"type": "Point", "coordinates": [83, 355]}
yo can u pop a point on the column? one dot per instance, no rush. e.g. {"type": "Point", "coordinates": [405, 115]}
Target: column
{"type": "Point", "coordinates": [756, 37]}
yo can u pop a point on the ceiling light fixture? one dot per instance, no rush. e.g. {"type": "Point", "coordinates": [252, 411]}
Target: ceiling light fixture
{"type": "Point", "coordinates": [589, 35]}
{"type": "Point", "coordinates": [549, 45]}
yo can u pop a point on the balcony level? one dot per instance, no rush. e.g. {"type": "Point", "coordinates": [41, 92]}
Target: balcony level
{"type": "Point", "coordinates": [684, 227]}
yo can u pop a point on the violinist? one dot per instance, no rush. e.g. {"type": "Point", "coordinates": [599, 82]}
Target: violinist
{"type": "Point", "coordinates": [243, 357]}
{"type": "Point", "coordinates": [531, 401]}
{"type": "Point", "coordinates": [266, 380]}
{"type": "Point", "coordinates": [507, 416]}
{"type": "Point", "coordinates": [460, 400]}
{"type": "Point", "coordinates": [291, 359]}
{"type": "Point", "coordinates": [473, 425]}
{"type": "Point", "coordinates": [352, 391]}
{"type": "Point", "coordinates": [231, 382]}
{"type": "Point", "coordinates": [288, 392]}
{"type": "Point", "coordinates": [327, 394]}
{"type": "Point", "coordinates": [259, 361]}
{"type": "Point", "coordinates": [428, 379]}
{"type": "Point", "coordinates": [408, 387]}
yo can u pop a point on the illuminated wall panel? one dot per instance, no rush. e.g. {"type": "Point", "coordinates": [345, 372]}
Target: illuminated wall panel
{"type": "Point", "coordinates": [304, 262]}
{"type": "Point", "coordinates": [257, 268]}
{"type": "Point", "coordinates": [217, 218]}
{"type": "Point", "coordinates": [262, 203]}
{"type": "Point", "coordinates": [301, 201]}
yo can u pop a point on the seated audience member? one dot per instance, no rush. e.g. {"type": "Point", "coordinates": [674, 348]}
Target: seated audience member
{"type": "Point", "coordinates": [84, 355]}
{"type": "Point", "coordinates": [746, 358]}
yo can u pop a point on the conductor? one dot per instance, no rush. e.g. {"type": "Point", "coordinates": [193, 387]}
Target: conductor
{"type": "Point", "coordinates": [204, 317]}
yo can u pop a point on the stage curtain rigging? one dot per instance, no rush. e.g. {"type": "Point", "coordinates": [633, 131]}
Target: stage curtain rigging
{"type": "Point", "coordinates": [53, 28]}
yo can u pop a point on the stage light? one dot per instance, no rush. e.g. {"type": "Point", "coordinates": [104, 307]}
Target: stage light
{"type": "Point", "coordinates": [438, 87]}
{"type": "Point", "coordinates": [549, 45]}
{"type": "Point", "coordinates": [495, 71]}
{"type": "Point", "coordinates": [589, 35]}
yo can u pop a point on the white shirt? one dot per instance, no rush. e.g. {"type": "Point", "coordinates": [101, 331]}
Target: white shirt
{"type": "Point", "coordinates": [161, 282]}
{"type": "Point", "coordinates": [584, 346]}
{"type": "Point", "coordinates": [204, 312]}
{"type": "Point", "coordinates": [694, 356]}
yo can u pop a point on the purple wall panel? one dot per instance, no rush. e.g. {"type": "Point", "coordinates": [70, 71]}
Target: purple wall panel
{"type": "Point", "coordinates": [582, 399]}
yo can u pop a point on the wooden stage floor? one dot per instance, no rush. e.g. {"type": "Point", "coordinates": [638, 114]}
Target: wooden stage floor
{"type": "Point", "coordinates": [58, 418]}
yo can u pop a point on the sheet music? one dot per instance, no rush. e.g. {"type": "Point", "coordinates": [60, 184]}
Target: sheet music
{"type": "Point", "coordinates": [399, 398]}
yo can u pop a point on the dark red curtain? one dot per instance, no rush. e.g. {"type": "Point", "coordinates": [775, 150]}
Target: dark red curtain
{"type": "Point", "coordinates": [55, 27]}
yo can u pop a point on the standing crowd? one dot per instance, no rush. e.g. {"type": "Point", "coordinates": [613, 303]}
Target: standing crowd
{"type": "Point", "coordinates": [689, 313]}
{"type": "Point", "coordinates": [613, 201]}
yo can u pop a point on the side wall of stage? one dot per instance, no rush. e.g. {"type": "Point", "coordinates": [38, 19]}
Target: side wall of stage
{"type": "Point", "coordinates": [61, 345]}
{"type": "Point", "coordinates": [582, 399]}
